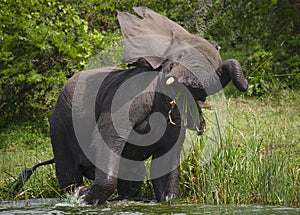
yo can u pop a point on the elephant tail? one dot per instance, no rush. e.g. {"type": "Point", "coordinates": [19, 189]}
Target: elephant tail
{"type": "Point", "coordinates": [26, 173]}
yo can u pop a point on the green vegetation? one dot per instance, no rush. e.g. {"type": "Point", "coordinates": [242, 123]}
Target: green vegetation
{"type": "Point", "coordinates": [258, 158]}
{"type": "Point", "coordinates": [24, 145]}
{"type": "Point", "coordinates": [257, 162]}
{"type": "Point", "coordinates": [43, 43]}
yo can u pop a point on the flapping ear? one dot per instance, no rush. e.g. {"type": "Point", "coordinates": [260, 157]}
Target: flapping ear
{"type": "Point", "coordinates": [148, 37]}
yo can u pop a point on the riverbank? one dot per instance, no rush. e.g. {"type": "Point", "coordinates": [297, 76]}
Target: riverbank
{"type": "Point", "coordinates": [257, 161]}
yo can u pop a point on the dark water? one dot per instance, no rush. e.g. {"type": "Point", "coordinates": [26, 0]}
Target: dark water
{"type": "Point", "coordinates": [54, 206]}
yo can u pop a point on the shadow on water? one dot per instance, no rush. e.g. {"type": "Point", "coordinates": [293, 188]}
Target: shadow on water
{"type": "Point", "coordinates": [55, 206]}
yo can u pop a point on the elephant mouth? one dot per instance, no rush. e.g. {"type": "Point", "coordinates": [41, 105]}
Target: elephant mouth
{"type": "Point", "coordinates": [175, 119]}
{"type": "Point", "coordinates": [198, 93]}
{"type": "Point", "coordinates": [196, 89]}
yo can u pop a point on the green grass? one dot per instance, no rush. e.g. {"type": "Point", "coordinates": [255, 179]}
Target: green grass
{"type": "Point", "coordinates": [24, 145]}
{"type": "Point", "coordinates": [257, 161]}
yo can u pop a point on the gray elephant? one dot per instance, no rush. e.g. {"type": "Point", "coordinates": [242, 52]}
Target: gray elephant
{"type": "Point", "coordinates": [106, 122]}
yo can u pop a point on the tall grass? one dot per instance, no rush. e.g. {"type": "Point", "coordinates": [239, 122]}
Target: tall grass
{"type": "Point", "coordinates": [24, 145]}
{"type": "Point", "coordinates": [257, 160]}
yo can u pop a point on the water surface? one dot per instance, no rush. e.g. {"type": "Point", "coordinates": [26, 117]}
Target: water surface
{"type": "Point", "coordinates": [55, 206]}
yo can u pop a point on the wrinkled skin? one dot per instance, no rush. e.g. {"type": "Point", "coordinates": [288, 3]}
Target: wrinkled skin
{"type": "Point", "coordinates": [71, 162]}
{"type": "Point", "coordinates": [189, 60]}
{"type": "Point", "coordinates": [153, 45]}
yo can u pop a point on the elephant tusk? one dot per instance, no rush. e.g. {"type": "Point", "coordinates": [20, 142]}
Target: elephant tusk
{"type": "Point", "coordinates": [170, 81]}
{"type": "Point", "coordinates": [172, 103]}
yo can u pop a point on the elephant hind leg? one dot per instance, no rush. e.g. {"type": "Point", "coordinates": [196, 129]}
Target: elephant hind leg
{"type": "Point", "coordinates": [69, 177]}
{"type": "Point", "coordinates": [102, 188]}
{"type": "Point", "coordinates": [67, 168]}
{"type": "Point", "coordinates": [68, 174]}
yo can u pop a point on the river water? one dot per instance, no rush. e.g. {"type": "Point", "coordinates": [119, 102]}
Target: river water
{"type": "Point", "coordinates": [55, 206]}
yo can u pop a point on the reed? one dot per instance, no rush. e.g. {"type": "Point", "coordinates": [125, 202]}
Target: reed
{"type": "Point", "coordinates": [256, 160]}
{"type": "Point", "coordinates": [24, 145]}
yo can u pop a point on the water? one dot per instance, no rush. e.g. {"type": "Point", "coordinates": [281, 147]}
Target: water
{"type": "Point", "coordinates": [55, 206]}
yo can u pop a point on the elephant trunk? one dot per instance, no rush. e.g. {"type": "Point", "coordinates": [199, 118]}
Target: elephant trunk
{"type": "Point", "coordinates": [229, 70]}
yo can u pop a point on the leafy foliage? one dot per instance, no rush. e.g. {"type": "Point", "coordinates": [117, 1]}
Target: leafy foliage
{"type": "Point", "coordinates": [43, 43]}
{"type": "Point", "coordinates": [264, 36]}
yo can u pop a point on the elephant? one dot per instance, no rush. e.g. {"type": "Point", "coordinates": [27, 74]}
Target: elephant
{"type": "Point", "coordinates": [108, 121]}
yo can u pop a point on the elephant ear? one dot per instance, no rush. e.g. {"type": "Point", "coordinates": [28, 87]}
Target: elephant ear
{"type": "Point", "coordinates": [148, 38]}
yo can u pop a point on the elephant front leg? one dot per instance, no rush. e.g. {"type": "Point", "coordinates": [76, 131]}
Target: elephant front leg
{"type": "Point", "coordinates": [166, 187]}
{"type": "Point", "coordinates": [132, 176]}
{"type": "Point", "coordinates": [165, 165]}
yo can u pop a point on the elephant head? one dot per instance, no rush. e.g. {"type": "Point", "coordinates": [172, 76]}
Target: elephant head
{"type": "Point", "coordinates": [157, 42]}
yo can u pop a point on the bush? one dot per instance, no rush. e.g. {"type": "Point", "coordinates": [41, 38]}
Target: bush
{"type": "Point", "coordinates": [43, 43]}
{"type": "Point", "coordinates": [264, 36]}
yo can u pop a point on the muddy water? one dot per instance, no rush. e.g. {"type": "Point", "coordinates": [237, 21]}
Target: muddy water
{"type": "Point", "coordinates": [55, 206]}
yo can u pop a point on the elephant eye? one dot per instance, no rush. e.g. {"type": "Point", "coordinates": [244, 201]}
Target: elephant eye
{"type": "Point", "coordinates": [181, 55]}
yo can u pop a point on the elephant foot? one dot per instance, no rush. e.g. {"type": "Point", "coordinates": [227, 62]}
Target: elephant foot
{"type": "Point", "coordinates": [170, 198]}
{"type": "Point", "coordinates": [84, 195]}
{"type": "Point", "coordinates": [82, 191]}
{"type": "Point", "coordinates": [92, 195]}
